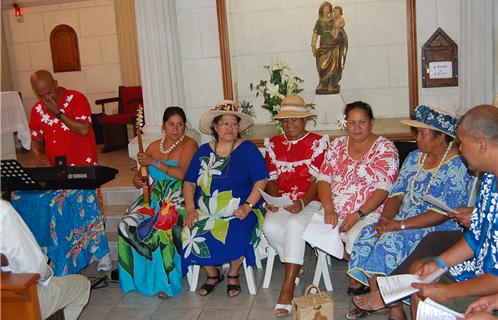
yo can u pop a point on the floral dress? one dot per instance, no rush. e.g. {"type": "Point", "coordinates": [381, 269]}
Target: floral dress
{"type": "Point", "coordinates": [217, 237]}
{"type": "Point", "coordinates": [380, 256]}
{"type": "Point", "coordinates": [149, 239]}
{"type": "Point", "coordinates": [68, 223]}
{"type": "Point", "coordinates": [353, 181]}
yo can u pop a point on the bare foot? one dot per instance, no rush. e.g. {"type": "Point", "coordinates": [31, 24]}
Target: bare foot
{"type": "Point", "coordinates": [370, 301]}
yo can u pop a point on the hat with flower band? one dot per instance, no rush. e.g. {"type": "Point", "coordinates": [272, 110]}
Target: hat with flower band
{"type": "Point", "coordinates": [224, 107]}
{"type": "Point", "coordinates": [434, 119]}
{"type": "Point", "coordinates": [293, 107]}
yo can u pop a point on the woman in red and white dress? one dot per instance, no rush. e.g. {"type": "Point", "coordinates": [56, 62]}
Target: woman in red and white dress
{"type": "Point", "coordinates": [293, 160]}
{"type": "Point", "coordinates": [356, 176]}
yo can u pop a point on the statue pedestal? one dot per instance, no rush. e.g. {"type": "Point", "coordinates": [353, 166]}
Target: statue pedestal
{"type": "Point", "coordinates": [328, 108]}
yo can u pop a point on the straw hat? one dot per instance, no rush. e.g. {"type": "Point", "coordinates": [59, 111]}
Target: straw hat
{"type": "Point", "coordinates": [293, 107]}
{"type": "Point", "coordinates": [434, 119]}
{"type": "Point", "coordinates": [222, 108]}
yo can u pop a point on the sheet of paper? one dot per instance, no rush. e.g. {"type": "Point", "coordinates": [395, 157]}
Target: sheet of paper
{"type": "Point", "coordinates": [431, 310]}
{"type": "Point", "coordinates": [394, 288]}
{"type": "Point", "coordinates": [278, 202]}
{"type": "Point", "coordinates": [323, 236]}
{"type": "Point", "coordinates": [437, 203]}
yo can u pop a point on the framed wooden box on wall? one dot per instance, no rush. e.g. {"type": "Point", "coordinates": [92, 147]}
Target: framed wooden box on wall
{"type": "Point", "coordinates": [65, 49]}
{"type": "Point", "coordinates": [439, 61]}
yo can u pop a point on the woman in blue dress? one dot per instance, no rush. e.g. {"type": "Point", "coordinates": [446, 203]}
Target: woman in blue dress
{"type": "Point", "coordinates": [149, 235]}
{"type": "Point", "coordinates": [434, 169]}
{"type": "Point", "coordinates": [222, 198]}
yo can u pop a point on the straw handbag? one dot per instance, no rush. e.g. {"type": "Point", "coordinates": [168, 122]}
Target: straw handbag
{"type": "Point", "coordinates": [313, 306]}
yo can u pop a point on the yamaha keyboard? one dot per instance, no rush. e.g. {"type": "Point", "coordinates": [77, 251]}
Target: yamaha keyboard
{"type": "Point", "coordinates": [15, 177]}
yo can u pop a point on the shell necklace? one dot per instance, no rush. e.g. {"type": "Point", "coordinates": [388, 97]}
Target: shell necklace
{"type": "Point", "coordinates": [411, 187]}
{"type": "Point", "coordinates": [171, 147]}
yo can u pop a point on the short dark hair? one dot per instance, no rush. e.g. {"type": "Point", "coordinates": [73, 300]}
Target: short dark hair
{"type": "Point", "coordinates": [447, 138]}
{"type": "Point", "coordinates": [216, 120]}
{"type": "Point", "coordinates": [481, 122]}
{"type": "Point", "coordinates": [359, 105]}
{"type": "Point", "coordinates": [171, 111]}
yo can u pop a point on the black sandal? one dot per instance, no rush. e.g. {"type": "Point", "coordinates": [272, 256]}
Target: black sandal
{"type": "Point", "coordinates": [362, 289]}
{"type": "Point", "coordinates": [233, 287]}
{"type": "Point", "coordinates": [209, 287]}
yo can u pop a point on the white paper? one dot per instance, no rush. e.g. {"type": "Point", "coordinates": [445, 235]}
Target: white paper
{"type": "Point", "coordinates": [440, 70]}
{"type": "Point", "coordinates": [438, 203]}
{"type": "Point", "coordinates": [323, 236]}
{"type": "Point", "coordinates": [431, 310]}
{"type": "Point", "coordinates": [278, 202]}
{"type": "Point", "coordinates": [394, 288]}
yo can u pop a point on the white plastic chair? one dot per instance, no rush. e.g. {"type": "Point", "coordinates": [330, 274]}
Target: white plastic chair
{"type": "Point", "coordinates": [322, 270]}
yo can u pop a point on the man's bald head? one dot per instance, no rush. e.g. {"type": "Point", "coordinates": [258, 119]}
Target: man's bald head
{"type": "Point", "coordinates": [45, 86]}
{"type": "Point", "coordinates": [481, 122]}
{"type": "Point", "coordinates": [41, 76]}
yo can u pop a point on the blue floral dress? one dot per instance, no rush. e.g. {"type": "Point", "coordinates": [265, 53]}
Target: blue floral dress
{"type": "Point", "coordinates": [217, 237]}
{"type": "Point", "coordinates": [380, 256]}
{"type": "Point", "coordinates": [68, 223]}
{"type": "Point", "coordinates": [149, 240]}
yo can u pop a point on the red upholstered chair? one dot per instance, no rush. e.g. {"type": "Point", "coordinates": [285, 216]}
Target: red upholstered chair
{"type": "Point", "coordinates": [114, 126]}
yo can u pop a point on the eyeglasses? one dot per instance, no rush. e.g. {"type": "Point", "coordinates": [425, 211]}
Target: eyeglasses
{"type": "Point", "coordinates": [228, 125]}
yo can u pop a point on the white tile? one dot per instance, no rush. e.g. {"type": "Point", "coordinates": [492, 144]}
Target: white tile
{"type": "Point", "coordinates": [187, 313]}
{"type": "Point", "coordinates": [72, 80]}
{"type": "Point", "coordinates": [94, 312]}
{"type": "Point", "coordinates": [23, 84]}
{"type": "Point", "coordinates": [41, 55]}
{"type": "Point", "coordinates": [366, 68]}
{"type": "Point", "coordinates": [136, 300]}
{"type": "Point", "coordinates": [129, 313]}
{"type": "Point", "coordinates": [190, 33]}
{"type": "Point", "coordinates": [448, 18]}
{"type": "Point", "coordinates": [90, 52]}
{"type": "Point", "coordinates": [103, 78]}
{"type": "Point", "coordinates": [426, 20]}
{"type": "Point", "coordinates": [194, 4]}
{"type": "Point", "coordinates": [77, 4]}
{"type": "Point", "coordinates": [31, 29]}
{"type": "Point", "coordinates": [210, 313]}
{"type": "Point", "coordinates": [398, 66]}
{"type": "Point", "coordinates": [109, 49]}
{"type": "Point", "coordinates": [21, 58]}
{"type": "Point", "coordinates": [105, 17]}
{"type": "Point", "coordinates": [203, 77]}
{"type": "Point", "coordinates": [55, 18]}
{"type": "Point", "coordinates": [208, 24]}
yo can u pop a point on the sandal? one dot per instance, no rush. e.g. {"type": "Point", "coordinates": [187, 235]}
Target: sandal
{"type": "Point", "coordinates": [209, 287]}
{"type": "Point", "coordinates": [356, 313]}
{"type": "Point", "coordinates": [362, 289]}
{"type": "Point", "coordinates": [283, 310]}
{"type": "Point", "coordinates": [367, 302]}
{"type": "Point", "coordinates": [233, 287]}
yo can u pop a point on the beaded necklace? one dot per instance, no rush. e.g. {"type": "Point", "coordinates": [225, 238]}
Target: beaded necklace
{"type": "Point", "coordinates": [411, 188]}
{"type": "Point", "coordinates": [171, 147]}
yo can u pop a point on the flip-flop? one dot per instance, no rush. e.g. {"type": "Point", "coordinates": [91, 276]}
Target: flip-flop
{"type": "Point", "coordinates": [283, 310]}
{"type": "Point", "coordinates": [367, 305]}
{"type": "Point", "coordinates": [233, 287]}
{"type": "Point", "coordinates": [356, 313]}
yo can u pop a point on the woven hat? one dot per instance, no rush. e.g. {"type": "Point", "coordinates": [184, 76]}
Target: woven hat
{"type": "Point", "coordinates": [434, 119]}
{"type": "Point", "coordinates": [293, 107]}
{"type": "Point", "coordinates": [222, 108]}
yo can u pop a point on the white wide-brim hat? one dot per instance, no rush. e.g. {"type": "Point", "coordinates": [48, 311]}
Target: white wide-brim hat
{"type": "Point", "coordinates": [434, 119]}
{"type": "Point", "coordinates": [293, 107]}
{"type": "Point", "coordinates": [224, 107]}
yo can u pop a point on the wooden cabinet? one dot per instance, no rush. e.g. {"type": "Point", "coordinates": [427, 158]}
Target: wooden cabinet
{"type": "Point", "coordinates": [19, 296]}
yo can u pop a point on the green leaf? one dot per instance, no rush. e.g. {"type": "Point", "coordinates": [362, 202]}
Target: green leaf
{"type": "Point", "coordinates": [153, 240]}
{"type": "Point", "coordinates": [167, 253]}
{"type": "Point", "coordinates": [203, 251]}
{"type": "Point", "coordinates": [125, 256]}
{"type": "Point", "coordinates": [220, 230]}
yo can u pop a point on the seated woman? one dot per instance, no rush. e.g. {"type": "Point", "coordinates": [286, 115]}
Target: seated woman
{"type": "Point", "coordinates": [149, 242]}
{"type": "Point", "coordinates": [293, 159]}
{"type": "Point", "coordinates": [434, 169]}
{"type": "Point", "coordinates": [356, 176]}
{"type": "Point", "coordinates": [222, 198]}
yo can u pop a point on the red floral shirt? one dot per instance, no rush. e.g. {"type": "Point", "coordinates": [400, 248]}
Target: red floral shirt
{"type": "Point", "coordinates": [59, 140]}
{"type": "Point", "coordinates": [353, 181]}
{"type": "Point", "coordinates": [292, 164]}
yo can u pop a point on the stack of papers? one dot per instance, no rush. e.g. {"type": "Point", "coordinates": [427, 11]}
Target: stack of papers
{"type": "Point", "coordinates": [323, 236]}
{"type": "Point", "coordinates": [278, 202]}
{"type": "Point", "coordinates": [431, 310]}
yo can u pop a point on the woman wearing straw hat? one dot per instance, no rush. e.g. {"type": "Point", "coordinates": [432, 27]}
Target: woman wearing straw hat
{"type": "Point", "coordinates": [357, 174]}
{"type": "Point", "coordinates": [434, 169]}
{"type": "Point", "coordinates": [222, 198]}
{"type": "Point", "coordinates": [293, 159]}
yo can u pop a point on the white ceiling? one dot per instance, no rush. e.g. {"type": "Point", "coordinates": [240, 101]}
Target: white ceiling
{"type": "Point", "coordinates": [7, 4]}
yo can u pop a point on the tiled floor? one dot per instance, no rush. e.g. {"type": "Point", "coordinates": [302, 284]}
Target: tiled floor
{"type": "Point", "coordinates": [109, 303]}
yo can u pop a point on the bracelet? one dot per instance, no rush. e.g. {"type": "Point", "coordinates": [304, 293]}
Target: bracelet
{"type": "Point", "coordinates": [440, 263]}
{"type": "Point", "coordinates": [302, 204]}
{"type": "Point", "coordinates": [249, 204]}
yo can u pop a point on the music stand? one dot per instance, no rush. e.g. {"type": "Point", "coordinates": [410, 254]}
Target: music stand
{"type": "Point", "coordinates": [14, 177]}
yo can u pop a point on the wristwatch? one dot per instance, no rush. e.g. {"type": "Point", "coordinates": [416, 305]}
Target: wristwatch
{"type": "Point", "coordinates": [402, 225]}
{"type": "Point", "coordinates": [59, 114]}
{"type": "Point", "coordinates": [361, 214]}
{"type": "Point", "coordinates": [249, 204]}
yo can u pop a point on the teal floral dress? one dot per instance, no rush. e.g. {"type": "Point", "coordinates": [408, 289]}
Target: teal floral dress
{"type": "Point", "coordinates": [149, 239]}
{"type": "Point", "coordinates": [221, 183]}
{"type": "Point", "coordinates": [380, 256]}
